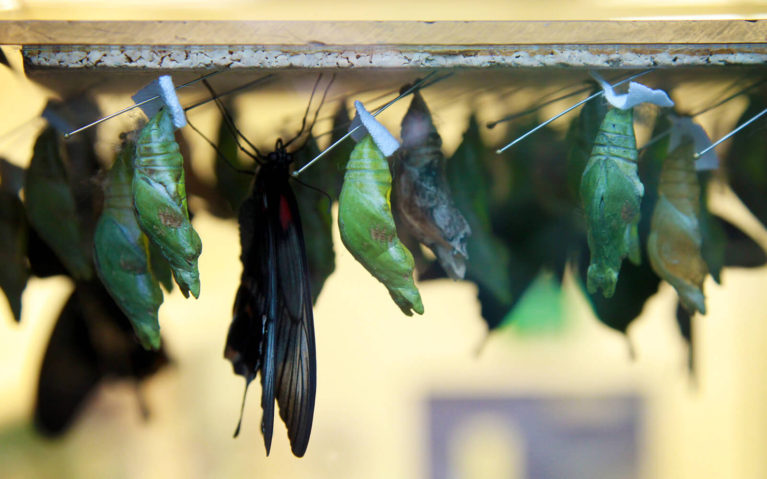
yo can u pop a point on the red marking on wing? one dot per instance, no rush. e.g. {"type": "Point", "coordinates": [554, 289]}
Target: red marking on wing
{"type": "Point", "coordinates": [286, 217]}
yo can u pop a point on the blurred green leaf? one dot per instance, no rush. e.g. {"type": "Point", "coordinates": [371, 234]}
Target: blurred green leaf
{"type": "Point", "coordinates": [745, 162]}
{"type": "Point", "coordinates": [488, 262]}
{"type": "Point", "coordinates": [51, 208]}
{"type": "Point", "coordinates": [231, 184]}
{"type": "Point", "coordinates": [13, 249]}
{"type": "Point", "coordinates": [316, 220]}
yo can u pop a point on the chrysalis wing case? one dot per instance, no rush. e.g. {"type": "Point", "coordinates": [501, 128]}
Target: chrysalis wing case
{"type": "Point", "coordinates": [422, 194]}
{"type": "Point", "coordinates": [367, 226]}
{"type": "Point", "coordinates": [121, 254]}
{"type": "Point", "coordinates": [272, 332]}
{"type": "Point", "coordinates": [611, 193]}
{"type": "Point", "coordinates": [674, 243]}
{"type": "Point", "coordinates": [159, 195]}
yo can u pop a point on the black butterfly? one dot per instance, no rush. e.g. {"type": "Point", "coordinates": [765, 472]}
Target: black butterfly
{"type": "Point", "coordinates": [272, 331]}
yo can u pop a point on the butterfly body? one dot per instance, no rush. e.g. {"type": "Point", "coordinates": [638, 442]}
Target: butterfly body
{"type": "Point", "coordinates": [272, 331]}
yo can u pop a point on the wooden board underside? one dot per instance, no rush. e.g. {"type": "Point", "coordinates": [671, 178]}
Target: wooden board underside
{"type": "Point", "coordinates": [169, 45]}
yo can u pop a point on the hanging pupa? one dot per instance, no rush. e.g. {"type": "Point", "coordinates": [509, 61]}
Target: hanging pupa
{"type": "Point", "coordinates": [611, 193]}
{"type": "Point", "coordinates": [159, 196]}
{"type": "Point", "coordinates": [674, 243]}
{"type": "Point", "coordinates": [422, 198]}
{"type": "Point", "coordinates": [121, 254]}
{"type": "Point", "coordinates": [367, 226]}
{"type": "Point", "coordinates": [50, 205]}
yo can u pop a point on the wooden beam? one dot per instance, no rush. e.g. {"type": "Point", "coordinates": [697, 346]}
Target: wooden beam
{"type": "Point", "coordinates": [453, 33]}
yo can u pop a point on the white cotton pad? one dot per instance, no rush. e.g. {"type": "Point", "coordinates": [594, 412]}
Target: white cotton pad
{"type": "Point", "coordinates": [637, 94]}
{"type": "Point", "coordinates": [163, 88]}
{"type": "Point", "coordinates": [381, 136]}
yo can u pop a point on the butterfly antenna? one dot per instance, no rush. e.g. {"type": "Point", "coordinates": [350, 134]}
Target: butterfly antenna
{"type": "Point", "coordinates": [255, 154]}
{"type": "Point", "coordinates": [244, 86]}
{"type": "Point", "coordinates": [415, 86]}
{"type": "Point", "coordinates": [219, 154]}
{"type": "Point", "coordinates": [308, 107]}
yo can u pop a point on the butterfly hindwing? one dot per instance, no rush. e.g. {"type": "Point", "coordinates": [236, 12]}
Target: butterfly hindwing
{"type": "Point", "coordinates": [295, 354]}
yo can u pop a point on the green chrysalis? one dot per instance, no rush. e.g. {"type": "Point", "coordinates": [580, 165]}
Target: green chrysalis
{"type": "Point", "coordinates": [159, 196]}
{"type": "Point", "coordinates": [51, 208]}
{"type": "Point", "coordinates": [611, 193]}
{"type": "Point", "coordinates": [121, 254]}
{"type": "Point", "coordinates": [367, 226]}
{"type": "Point", "coordinates": [674, 243]}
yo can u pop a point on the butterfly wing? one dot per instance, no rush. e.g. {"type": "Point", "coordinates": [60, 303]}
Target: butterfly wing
{"type": "Point", "coordinates": [246, 345]}
{"type": "Point", "coordinates": [272, 331]}
{"type": "Point", "coordinates": [295, 356]}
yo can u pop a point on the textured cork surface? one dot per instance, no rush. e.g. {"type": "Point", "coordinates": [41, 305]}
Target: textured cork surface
{"type": "Point", "coordinates": [279, 57]}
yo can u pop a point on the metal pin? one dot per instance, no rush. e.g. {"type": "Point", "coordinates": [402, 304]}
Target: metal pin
{"type": "Point", "coordinates": [591, 97]}
{"type": "Point", "coordinates": [730, 134]}
{"type": "Point", "coordinates": [109, 117]}
{"type": "Point", "coordinates": [419, 84]}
